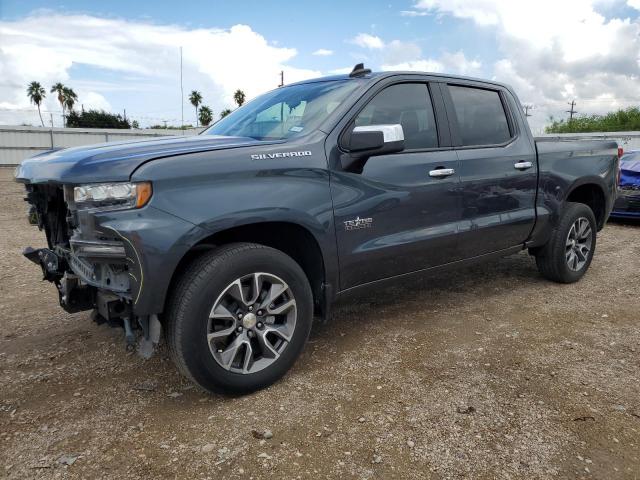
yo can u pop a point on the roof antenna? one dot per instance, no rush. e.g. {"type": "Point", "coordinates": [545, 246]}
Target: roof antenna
{"type": "Point", "coordinates": [359, 71]}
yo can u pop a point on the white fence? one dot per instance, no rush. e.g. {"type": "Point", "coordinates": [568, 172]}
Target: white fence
{"type": "Point", "coordinates": [627, 140]}
{"type": "Point", "coordinates": [18, 143]}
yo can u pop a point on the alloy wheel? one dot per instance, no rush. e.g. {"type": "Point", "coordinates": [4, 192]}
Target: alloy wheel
{"type": "Point", "coordinates": [251, 323]}
{"type": "Point", "coordinates": [578, 245]}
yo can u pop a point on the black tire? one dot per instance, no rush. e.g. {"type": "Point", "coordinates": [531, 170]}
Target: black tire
{"type": "Point", "coordinates": [193, 297]}
{"type": "Point", "coordinates": [551, 258]}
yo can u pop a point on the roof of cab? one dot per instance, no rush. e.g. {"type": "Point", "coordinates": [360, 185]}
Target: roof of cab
{"type": "Point", "coordinates": [379, 75]}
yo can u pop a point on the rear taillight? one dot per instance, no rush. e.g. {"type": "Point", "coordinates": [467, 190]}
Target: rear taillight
{"type": "Point", "coordinates": [619, 173]}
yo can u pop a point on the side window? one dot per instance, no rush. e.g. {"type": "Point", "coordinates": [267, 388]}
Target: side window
{"type": "Point", "coordinates": [408, 104]}
{"type": "Point", "coordinates": [481, 116]}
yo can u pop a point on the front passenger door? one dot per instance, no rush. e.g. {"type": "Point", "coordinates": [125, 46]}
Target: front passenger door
{"type": "Point", "coordinates": [399, 214]}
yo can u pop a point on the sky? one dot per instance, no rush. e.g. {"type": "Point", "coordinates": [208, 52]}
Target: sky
{"type": "Point", "coordinates": [125, 55]}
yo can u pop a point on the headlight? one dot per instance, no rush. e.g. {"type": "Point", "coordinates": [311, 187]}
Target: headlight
{"type": "Point", "coordinates": [112, 195]}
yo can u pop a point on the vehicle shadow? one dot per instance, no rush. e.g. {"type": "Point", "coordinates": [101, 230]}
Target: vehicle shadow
{"type": "Point", "coordinates": [633, 222]}
{"type": "Point", "coordinates": [426, 292]}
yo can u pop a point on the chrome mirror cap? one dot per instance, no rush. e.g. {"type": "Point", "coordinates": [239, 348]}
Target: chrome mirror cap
{"type": "Point", "coordinates": [390, 132]}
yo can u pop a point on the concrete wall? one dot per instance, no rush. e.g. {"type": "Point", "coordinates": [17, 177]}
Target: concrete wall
{"type": "Point", "coordinates": [627, 140]}
{"type": "Point", "coordinates": [18, 143]}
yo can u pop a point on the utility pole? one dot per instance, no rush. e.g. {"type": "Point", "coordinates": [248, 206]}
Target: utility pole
{"type": "Point", "coordinates": [571, 112]}
{"type": "Point", "coordinates": [281, 78]}
{"type": "Point", "coordinates": [181, 95]}
{"type": "Point", "coordinates": [526, 110]}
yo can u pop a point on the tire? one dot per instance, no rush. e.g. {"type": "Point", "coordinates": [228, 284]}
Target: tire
{"type": "Point", "coordinates": [554, 260]}
{"type": "Point", "coordinates": [238, 353]}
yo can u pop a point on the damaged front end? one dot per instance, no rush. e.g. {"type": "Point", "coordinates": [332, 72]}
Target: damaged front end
{"type": "Point", "coordinates": [91, 265]}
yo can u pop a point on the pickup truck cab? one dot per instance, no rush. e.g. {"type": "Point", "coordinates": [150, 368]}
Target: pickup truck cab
{"type": "Point", "coordinates": [234, 239]}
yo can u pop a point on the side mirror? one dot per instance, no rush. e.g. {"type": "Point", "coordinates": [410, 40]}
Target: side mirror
{"type": "Point", "coordinates": [370, 140]}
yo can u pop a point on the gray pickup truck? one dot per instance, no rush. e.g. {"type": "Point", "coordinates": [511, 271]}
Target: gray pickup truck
{"type": "Point", "coordinates": [234, 239]}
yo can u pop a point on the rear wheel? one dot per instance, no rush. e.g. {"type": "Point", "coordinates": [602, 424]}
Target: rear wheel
{"type": "Point", "coordinates": [568, 253]}
{"type": "Point", "coordinates": [239, 317]}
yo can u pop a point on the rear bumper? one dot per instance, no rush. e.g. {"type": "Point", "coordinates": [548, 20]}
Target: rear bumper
{"type": "Point", "coordinates": [627, 205]}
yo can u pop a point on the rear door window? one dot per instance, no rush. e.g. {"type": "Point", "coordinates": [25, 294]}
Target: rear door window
{"type": "Point", "coordinates": [481, 116]}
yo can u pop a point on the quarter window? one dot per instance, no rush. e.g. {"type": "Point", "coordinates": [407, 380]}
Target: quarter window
{"type": "Point", "coordinates": [481, 116]}
{"type": "Point", "coordinates": [408, 104]}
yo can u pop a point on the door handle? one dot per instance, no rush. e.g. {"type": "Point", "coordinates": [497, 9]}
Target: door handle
{"type": "Point", "coordinates": [523, 165]}
{"type": "Point", "coordinates": [441, 172]}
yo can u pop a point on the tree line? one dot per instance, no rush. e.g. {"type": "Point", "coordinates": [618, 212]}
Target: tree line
{"type": "Point", "coordinates": [204, 114]}
{"type": "Point", "coordinates": [101, 119]}
{"type": "Point", "coordinates": [619, 121]}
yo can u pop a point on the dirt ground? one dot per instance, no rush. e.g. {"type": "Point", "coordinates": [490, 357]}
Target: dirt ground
{"type": "Point", "coordinates": [489, 372]}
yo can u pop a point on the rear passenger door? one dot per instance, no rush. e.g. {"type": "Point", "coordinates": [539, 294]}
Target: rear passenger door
{"type": "Point", "coordinates": [497, 166]}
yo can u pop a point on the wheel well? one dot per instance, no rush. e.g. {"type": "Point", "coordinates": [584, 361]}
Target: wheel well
{"type": "Point", "coordinates": [592, 196]}
{"type": "Point", "coordinates": [290, 238]}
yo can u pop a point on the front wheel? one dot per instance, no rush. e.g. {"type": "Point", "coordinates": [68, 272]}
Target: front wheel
{"type": "Point", "coordinates": [239, 317]}
{"type": "Point", "coordinates": [568, 253]}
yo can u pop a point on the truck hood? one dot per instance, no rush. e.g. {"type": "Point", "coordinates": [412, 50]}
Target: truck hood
{"type": "Point", "coordinates": [116, 161]}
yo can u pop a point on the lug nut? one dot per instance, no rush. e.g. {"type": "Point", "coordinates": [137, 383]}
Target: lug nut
{"type": "Point", "coordinates": [239, 329]}
{"type": "Point", "coordinates": [250, 308]}
{"type": "Point", "coordinates": [260, 313]}
{"type": "Point", "coordinates": [259, 325]}
{"type": "Point", "coordinates": [250, 334]}
{"type": "Point", "coordinates": [240, 315]}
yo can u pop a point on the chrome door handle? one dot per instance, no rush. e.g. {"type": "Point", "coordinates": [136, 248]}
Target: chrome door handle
{"type": "Point", "coordinates": [441, 172]}
{"type": "Point", "coordinates": [523, 165]}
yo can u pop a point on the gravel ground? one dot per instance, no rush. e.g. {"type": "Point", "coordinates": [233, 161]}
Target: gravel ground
{"type": "Point", "coordinates": [490, 372]}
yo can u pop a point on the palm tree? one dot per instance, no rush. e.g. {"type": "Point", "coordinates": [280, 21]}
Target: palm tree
{"type": "Point", "coordinates": [36, 94]}
{"type": "Point", "coordinates": [70, 98]}
{"type": "Point", "coordinates": [239, 97]}
{"type": "Point", "coordinates": [225, 112]}
{"type": "Point", "coordinates": [59, 89]}
{"type": "Point", "coordinates": [206, 115]}
{"type": "Point", "coordinates": [196, 99]}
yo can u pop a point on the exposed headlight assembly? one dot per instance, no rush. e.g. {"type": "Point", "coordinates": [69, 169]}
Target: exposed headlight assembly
{"type": "Point", "coordinates": [112, 195]}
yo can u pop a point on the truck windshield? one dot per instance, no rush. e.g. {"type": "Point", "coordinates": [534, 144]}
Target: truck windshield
{"type": "Point", "coordinates": [286, 112]}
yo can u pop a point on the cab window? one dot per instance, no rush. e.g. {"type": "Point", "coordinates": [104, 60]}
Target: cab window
{"type": "Point", "coordinates": [408, 104]}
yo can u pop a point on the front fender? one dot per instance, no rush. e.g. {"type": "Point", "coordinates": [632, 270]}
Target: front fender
{"type": "Point", "coordinates": [214, 193]}
{"type": "Point", "coordinates": [154, 242]}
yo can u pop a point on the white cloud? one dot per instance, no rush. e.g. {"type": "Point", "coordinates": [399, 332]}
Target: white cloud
{"type": "Point", "coordinates": [323, 52]}
{"type": "Point", "coordinates": [453, 63]}
{"type": "Point", "coordinates": [554, 51]}
{"type": "Point", "coordinates": [365, 40]}
{"type": "Point", "coordinates": [44, 47]}
{"type": "Point", "coordinates": [413, 13]}
{"type": "Point", "coordinates": [341, 71]}
{"type": "Point", "coordinates": [397, 51]}
{"type": "Point", "coordinates": [403, 55]}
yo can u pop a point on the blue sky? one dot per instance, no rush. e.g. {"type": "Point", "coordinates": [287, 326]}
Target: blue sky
{"type": "Point", "coordinates": [129, 59]}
